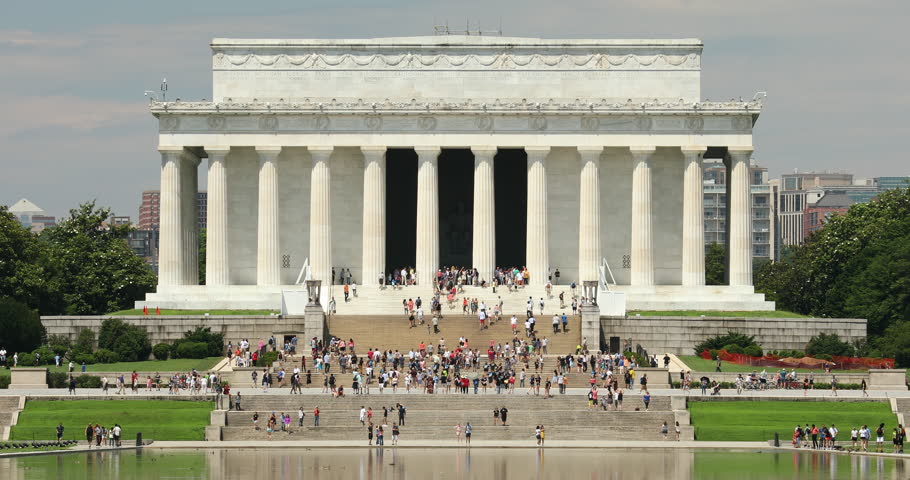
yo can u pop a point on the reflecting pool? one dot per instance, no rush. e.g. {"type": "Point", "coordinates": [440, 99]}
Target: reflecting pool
{"type": "Point", "coordinates": [449, 463]}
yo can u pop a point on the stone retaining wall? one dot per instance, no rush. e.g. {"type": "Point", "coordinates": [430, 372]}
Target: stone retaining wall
{"type": "Point", "coordinates": [679, 335]}
{"type": "Point", "coordinates": [167, 328]}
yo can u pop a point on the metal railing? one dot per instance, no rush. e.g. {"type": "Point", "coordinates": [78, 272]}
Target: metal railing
{"type": "Point", "coordinates": [306, 273]}
{"type": "Point", "coordinates": [604, 270]}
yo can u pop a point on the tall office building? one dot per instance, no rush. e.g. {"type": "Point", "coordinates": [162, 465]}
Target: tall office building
{"type": "Point", "coordinates": [715, 201]}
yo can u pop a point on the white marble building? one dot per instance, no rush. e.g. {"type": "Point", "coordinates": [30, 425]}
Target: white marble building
{"type": "Point", "coordinates": [297, 136]}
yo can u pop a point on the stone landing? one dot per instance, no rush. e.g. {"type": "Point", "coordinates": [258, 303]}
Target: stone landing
{"type": "Point", "coordinates": [387, 300]}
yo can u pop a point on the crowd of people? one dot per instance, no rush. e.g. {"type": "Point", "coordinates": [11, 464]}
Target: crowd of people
{"type": "Point", "coordinates": [98, 435]}
{"type": "Point", "coordinates": [823, 437]}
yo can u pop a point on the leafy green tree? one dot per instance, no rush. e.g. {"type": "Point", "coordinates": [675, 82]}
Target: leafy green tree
{"type": "Point", "coordinates": [895, 343]}
{"type": "Point", "coordinates": [858, 265]}
{"type": "Point", "coordinates": [20, 327]}
{"type": "Point", "coordinates": [22, 263]}
{"type": "Point", "coordinates": [715, 264]}
{"type": "Point", "coordinates": [95, 270]}
{"type": "Point", "coordinates": [828, 344]}
{"type": "Point", "coordinates": [85, 342]}
{"type": "Point", "coordinates": [741, 340]}
{"type": "Point", "coordinates": [202, 240]}
{"type": "Point", "coordinates": [130, 342]}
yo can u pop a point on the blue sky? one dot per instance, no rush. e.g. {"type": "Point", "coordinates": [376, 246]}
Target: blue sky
{"type": "Point", "coordinates": [75, 125]}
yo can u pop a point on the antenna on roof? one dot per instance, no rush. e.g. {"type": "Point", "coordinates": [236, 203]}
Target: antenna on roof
{"type": "Point", "coordinates": [444, 29]}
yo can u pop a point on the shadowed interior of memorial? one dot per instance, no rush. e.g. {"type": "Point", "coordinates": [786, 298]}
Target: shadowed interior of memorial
{"type": "Point", "coordinates": [401, 208]}
{"type": "Point", "coordinates": [510, 178]}
{"type": "Point", "coordinates": [456, 206]}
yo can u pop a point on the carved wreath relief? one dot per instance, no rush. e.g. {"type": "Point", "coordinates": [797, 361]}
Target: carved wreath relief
{"type": "Point", "coordinates": [268, 122]}
{"type": "Point", "coordinates": [426, 123]}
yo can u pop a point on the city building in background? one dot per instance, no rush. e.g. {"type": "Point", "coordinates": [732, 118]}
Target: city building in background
{"type": "Point", "coordinates": [149, 210]}
{"type": "Point", "coordinates": [890, 183]}
{"type": "Point", "coordinates": [790, 200]}
{"type": "Point", "coordinates": [715, 200]}
{"type": "Point", "coordinates": [32, 216]}
{"type": "Point", "coordinates": [820, 209]}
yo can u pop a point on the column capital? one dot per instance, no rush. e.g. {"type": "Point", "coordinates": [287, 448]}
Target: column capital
{"type": "Point", "coordinates": [320, 153]}
{"type": "Point", "coordinates": [171, 149]}
{"type": "Point", "coordinates": [693, 149]}
{"type": "Point", "coordinates": [590, 154]}
{"type": "Point", "coordinates": [217, 149]}
{"type": "Point", "coordinates": [427, 151]}
{"type": "Point", "coordinates": [268, 150]}
{"type": "Point", "coordinates": [537, 152]}
{"type": "Point", "coordinates": [740, 151]}
{"type": "Point", "coordinates": [373, 149]}
{"type": "Point", "coordinates": [645, 151]}
{"type": "Point", "coordinates": [484, 151]}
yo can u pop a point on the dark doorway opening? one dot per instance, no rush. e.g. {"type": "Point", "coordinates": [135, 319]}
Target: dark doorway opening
{"type": "Point", "coordinates": [456, 207]}
{"type": "Point", "coordinates": [401, 208]}
{"type": "Point", "coordinates": [510, 179]}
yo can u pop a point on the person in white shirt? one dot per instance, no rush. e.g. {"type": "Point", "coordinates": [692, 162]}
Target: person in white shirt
{"type": "Point", "coordinates": [363, 415]}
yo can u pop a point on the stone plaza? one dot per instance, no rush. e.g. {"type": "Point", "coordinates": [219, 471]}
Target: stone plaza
{"type": "Point", "coordinates": [372, 154]}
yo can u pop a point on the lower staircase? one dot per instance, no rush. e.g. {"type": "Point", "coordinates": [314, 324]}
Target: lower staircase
{"type": "Point", "coordinates": [9, 412]}
{"type": "Point", "coordinates": [392, 332]}
{"type": "Point", "coordinates": [433, 417]}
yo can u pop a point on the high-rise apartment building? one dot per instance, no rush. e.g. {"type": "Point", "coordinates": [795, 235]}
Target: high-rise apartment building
{"type": "Point", "coordinates": [715, 201]}
{"type": "Point", "coordinates": [149, 210]}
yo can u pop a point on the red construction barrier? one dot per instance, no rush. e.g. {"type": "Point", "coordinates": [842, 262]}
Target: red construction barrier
{"type": "Point", "coordinates": [840, 363]}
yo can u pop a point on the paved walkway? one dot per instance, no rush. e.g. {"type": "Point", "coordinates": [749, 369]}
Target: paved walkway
{"type": "Point", "coordinates": [795, 394]}
{"type": "Point", "coordinates": [476, 442]}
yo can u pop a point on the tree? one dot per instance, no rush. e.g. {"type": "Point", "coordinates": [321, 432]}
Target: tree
{"type": "Point", "coordinates": [202, 240]}
{"type": "Point", "coordinates": [858, 265]}
{"type": "Point", "coordinates": [22, 260]}
{"type": "Point", "coordinates": [715, 264]}
{"type": "Point", "coordinates": [895, 343]}
{"type": "Point", "coordinates": [825, 344]}
{"type": "Point", "coordinates": [20, 327]}
{"type": "Point", "coordinates": [95, 270]}
{"type": "Point", "coordinates": [130, 342]}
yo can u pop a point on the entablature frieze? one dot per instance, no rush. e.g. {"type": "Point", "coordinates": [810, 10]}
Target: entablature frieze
{"type": "Point", "coordinates": [413, 117]}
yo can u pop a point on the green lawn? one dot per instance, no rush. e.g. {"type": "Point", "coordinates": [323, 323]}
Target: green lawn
{"type": "Point", "coordinates": [757, 421]}
{"type": "Point", "coordinates": [172, 365]}
{"type": "Point", "coordinates": [138, 311]}
{"type": "Point", "coordinates": [715, 313]}
{"type": "Point", "coordinates": [156, 419]}
{"type": "Point", "coordinates": [698, 364]}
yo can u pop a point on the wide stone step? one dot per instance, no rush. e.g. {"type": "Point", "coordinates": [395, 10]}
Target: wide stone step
{"type": "Point", "coordinates": [436, 402]}
{"type": "Point", "coordinates": [484, 432]}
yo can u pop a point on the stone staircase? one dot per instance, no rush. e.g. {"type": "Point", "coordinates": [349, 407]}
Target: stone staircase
{"type": "Point", "coordinates": [391, 332]}
{"type": "Point", "coordinates": [375, 300]}
{"type": "Point", "coordinates": [9, 412]}
{"type": "Point", "coordinates": [901, 407]}
{"type": "Point", "coordinates": [573, 379]}
{"type": "Point", "coordinates": [431, 416]}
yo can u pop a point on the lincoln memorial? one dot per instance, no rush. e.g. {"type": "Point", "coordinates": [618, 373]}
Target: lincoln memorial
{"type": "Point", "coordinates": [373, 154]}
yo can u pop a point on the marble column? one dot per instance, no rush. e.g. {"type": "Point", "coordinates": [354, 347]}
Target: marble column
{"type": "Point", "coordinates": [642, 241]}
{"type": "Point", "coordinates": [589, 256]}
{"type": "Point", "coordinates": [170, 226]}
{"type": "Point", "coordinates": [321, 216]}
{"type": "Point", "coordinates": [740, 218]}
{"type": "Point", "coordinates": [537, 250]}
{"type": "Point", "coordinates": [483, 251]}
{"type": "Point", "coordinates": [373, 214]}
{"type": "Point", "coordinates": [217, 271]}
{"type": "Point", "coordinates": [189, 179]}
{"type": "Point", "coordinates": [427, 255]}
{"type": "Point", "coordinates": [268, 245]}
{"type": "Point", "coordinates": [693, 248]}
